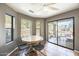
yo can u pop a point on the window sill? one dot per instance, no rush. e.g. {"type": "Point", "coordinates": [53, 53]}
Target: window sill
{"type": "Point", "coordinates": [9, 43]}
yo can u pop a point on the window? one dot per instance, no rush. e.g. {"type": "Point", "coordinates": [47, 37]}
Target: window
{"type": "Point", "coordinates": [38, 28]}
{"type": "Point", "coordinates": [9, 27]}
{"type": "Point", "coordinates": [26, 27]}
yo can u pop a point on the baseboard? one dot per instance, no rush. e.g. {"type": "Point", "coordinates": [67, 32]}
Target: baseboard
{"type": "Point", "coordinates": [76, 51]}
{"type": "Point", "coordinates": [12, 51]}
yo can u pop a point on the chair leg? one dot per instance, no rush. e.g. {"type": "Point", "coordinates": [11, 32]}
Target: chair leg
{"type": "Point", "coordinates": [42, 53]}
{"type": "Point", "coordinates": [28, 51]}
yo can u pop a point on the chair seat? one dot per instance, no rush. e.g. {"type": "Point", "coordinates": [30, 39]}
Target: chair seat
{"type": "Point", "coordinates": [21, 47]}
{"type": "Point", "coordinates": [39, 47]}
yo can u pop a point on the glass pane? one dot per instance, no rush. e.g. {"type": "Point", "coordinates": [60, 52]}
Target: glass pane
{"type": "Point", "coordinates": [25, 28]}
{"type": "Point", "coordinates": [8, 28]}
{"type": "Point", "coordinates": [7, 21]}
{"type": "Point", "coordinates": [8, 35]}
{"type": "Point", "coordinates": [65, 33]}
{"type": "Point", "coordinates": [38, 28]}
{"type": "Point", "coordinates": [52, 32]}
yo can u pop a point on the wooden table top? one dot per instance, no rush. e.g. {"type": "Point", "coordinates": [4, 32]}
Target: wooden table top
{"type": "Point", "coordinates": [32, 39]}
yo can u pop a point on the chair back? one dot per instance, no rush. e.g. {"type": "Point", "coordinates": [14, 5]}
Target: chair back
{"type": "Point", "coordinates": [42, 42]}
{"type": "Point", "coordinates": [40, 46]}
{"type": "Point", "coordinates": [18, 41]}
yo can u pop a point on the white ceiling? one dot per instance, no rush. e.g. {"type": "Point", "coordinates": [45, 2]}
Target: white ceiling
{"type": "Point", "coordinates": [41, 11]}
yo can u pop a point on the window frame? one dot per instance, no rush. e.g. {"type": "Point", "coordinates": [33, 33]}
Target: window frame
{"type": "Point", "coordinates": [73, 18]}
{"type": "Point", "coordinates": [12, 29]}
{"type": "Point", "coordinates": [38, 28]}
{"type": "Point", "coordinates": [25, 28]}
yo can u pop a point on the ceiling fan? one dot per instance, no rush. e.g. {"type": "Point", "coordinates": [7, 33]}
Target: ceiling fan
{"type": "Point", "coordinates": [50, 6]}
{"type": "Point", "coordinates": [46, 5]}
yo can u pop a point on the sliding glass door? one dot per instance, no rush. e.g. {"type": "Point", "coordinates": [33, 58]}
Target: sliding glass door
{"type": "Point", "coordinates": [60, 32]}
{"type": "Point", "coordinates": [65, 33]}
{"type": "Point", "coordinates": [52, 32]}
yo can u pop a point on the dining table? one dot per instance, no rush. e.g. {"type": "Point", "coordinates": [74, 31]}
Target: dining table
{"type": "Point", "coordinates": [32, 41]}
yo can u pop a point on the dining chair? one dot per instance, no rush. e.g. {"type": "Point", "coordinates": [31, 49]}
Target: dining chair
{"type": "Point", "coordinates": [20, 44]}
{"type": "Point", "coordinates": [40, 46]}
{"type": "Point", "coordinates": [23, 47]}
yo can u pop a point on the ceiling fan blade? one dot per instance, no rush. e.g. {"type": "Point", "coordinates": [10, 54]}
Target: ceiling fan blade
{"type": "Point", "coordinates": [48, 4]}
{"type": "Point", "coordinates": [53, 8]}
{"type": "Point", "coordinates": [51, 4]}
